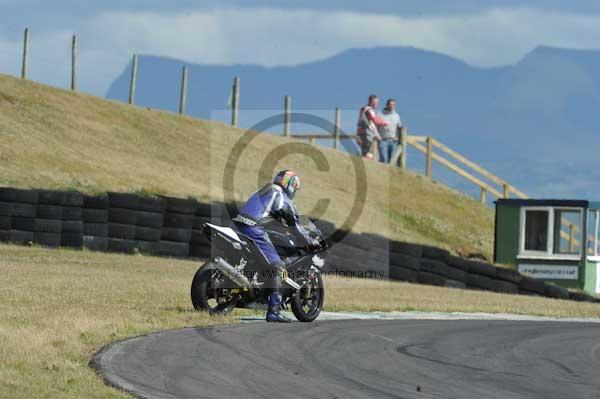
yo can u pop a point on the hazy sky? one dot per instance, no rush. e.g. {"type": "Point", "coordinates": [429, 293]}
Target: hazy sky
{"type": "Point", "coordinates": [277, 32]}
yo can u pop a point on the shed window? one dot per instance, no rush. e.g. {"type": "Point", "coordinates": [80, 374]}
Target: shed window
{"type": "Point", "coordinates": [536, 230]}
{"type": "Point", "coordinates": [552, 232]}
{"type": "Point", "coordinates": [567, 229]}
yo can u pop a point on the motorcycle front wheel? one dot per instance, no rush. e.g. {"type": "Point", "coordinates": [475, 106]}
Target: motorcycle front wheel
{"type": "Point", "coordinates": [211, 291]}
{"type": "Point", "coordinates": [307, 302]}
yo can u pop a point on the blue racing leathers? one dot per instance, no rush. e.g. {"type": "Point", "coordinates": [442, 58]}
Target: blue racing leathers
{"type": "Point", "coordinates": [265, 204]}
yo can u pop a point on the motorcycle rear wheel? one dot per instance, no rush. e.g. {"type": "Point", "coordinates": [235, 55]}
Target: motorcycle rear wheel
{"type": "Point", "coordinates": [307, 304]}
{"type": "Point", "coordinates": [207, 294]}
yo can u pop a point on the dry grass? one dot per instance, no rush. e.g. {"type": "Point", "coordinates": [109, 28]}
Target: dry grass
{"type": "Point", "coordinates": [60, 306]}
{"type": "Point", "coordinates": [53, 138]}
{"type": "Point", "coordinates": [371, 295]}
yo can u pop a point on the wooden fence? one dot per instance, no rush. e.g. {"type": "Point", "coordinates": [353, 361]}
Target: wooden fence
{"type": "Point", "coordinates": [433, 149]}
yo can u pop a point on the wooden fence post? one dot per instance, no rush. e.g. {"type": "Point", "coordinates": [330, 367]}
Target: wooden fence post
{"type": "Point", "coordinates": [25, 66]}
{"type": "Point", "coordinates": [483, 195]}
{"type": "Point", "coordinates": [404, 145]}
{"type": "Point", "coordinates": [428, 157]}
{"type": "Point", "coordinates": [74, 63]}
{"type": "Point", "coordinates": [183, 94]}
{"type": "Point", "coordinates": [235, 96]}
{"type": "Point", "coordinates": [336, 129]}
{"type": "Point", "coordinates": [287, 116]}
{"type": "Point", "coordinates": [506, 190]}
{"type": "Point", "coordinates": [133, 82]}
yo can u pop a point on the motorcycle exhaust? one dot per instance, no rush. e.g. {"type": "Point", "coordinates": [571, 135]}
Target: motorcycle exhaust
{"type": "Point", "coordinates": [232, 274]}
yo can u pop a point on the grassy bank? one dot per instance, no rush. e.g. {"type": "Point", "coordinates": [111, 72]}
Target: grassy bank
{"type": "Point", "coordinates": [60, 306]}
{"type": "Point", "coordinates": [53, 138]}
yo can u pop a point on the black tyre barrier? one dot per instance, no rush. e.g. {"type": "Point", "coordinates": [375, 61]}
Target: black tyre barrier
{"type": "Point", "coordinates": [7, 194]}
{"type": "Point", "coordinates": [149, 219]}
{"type": "Point", "coordinates": [5, 222]}
{"type": "Point", "coordinates": [480, 282]}
{"type": "Point", "coordinates": [147, 234]}
{"type": "Point", "coordinates": [21, 237]}
{"type": "Point", "coordinates": [71, 213]}
{"type": "Point", "coordinates": [94, 215]}
{"type": "Point", "coordinates": [356, 241]}
{"type": "Point", "coordinates": [482, 269]}
{"type": "Point", "coordinates": [403, 274]}
{"type": "Point", "coordinates": [554, 291]}
{"type": "Point", "coordinates": [121, 231]}
{"type": "Point", "coordinates": [199, 221]}
{"type": "Point", "coordinates": [582, 297]}
{"type": "Point", "coordinates": [176, 235]}
{"type": "Point", "coordinates": [25, 196]}
{"type": "Point", "coordinates": [123, 200]}
{"type": "Point", "coordinates": [50, 197]}
{"type": "Point", "coordinates": [198, 238]}
{"type": "Point", "coordinates": [6, 208]}
{"type": "Point", "coordinates": [173, 227]}
{"type": "Point", "coordinates": [152, 204]}
{"type": "Point", "coordinates": [458, 263]}
{"type": "Point", "coordinates": [122, 216]}
{"type": "Point", "coordinates": [510, 275]}
{"type": "Point", "coordinates": [181, 205]}
{"type": "Point", "coordinates": [48, 226]}
{"type": "Point", "coordinates": [505, 287]}
{"type": "Point", "coordinates": [71, 240]}
{"type": "Point", "coordinates": [440, 268]}
{"type": "Point", "coordinates": [430, 279]}
{"type": "Point", "coordinates": [178, 220]}
{"type": "Point", "coordinates": [404, 248]}
{"type": "Point", "coordinates": [64, 198]}
{"type": "Point", "coordinates": [95, 229]}
{"type": "Point", "coordinates": [377, 241]}
{"type": "Point", "coordinates": [206, 210]}
{"type": "Point", "coordinates": [72, 226]}
{"type": "Point", "coordinates": [96, 243]}
{"type": "Point", "coordinates": [24, 210]}
{"type": "Point", "coordinates": [95, 202]}
{"type": "Point", "coordinates": [47, 239]}
{"type": "Point", "coordinates": [49, 212]}
{"type": "Point", "coordinates": [405, 261]}
{"type": "Point", "coordinates": [435, 253]}
{"type": "Point", "coordinates": [532, 285]}
{"type": "Point", "coordinates": [23, 224]}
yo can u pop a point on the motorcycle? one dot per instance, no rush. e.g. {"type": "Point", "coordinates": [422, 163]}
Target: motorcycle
{"type": "Point", "coordinates": [235, 274]}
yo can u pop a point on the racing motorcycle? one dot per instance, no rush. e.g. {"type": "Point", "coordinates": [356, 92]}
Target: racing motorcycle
{"type": "Point", "coordinates": [234, 276]}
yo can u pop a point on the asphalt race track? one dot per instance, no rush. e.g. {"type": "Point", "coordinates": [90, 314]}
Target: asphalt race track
{"type": "Point", "coordinates": [361, 359]}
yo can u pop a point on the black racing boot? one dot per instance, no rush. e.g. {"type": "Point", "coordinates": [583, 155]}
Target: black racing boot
{"type": "Point", "coordinates": [274, 313]}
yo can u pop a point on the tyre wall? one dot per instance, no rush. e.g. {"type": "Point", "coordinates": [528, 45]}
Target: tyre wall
{"type": "Point", "coordinates": [168, 226]}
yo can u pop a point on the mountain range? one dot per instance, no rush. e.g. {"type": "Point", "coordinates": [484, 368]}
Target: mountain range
{"type": "Point", "coordinates": [532, 123]}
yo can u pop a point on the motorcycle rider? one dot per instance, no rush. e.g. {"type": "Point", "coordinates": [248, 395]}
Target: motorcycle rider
{"type": "Point", "coordinates": [274, 200]}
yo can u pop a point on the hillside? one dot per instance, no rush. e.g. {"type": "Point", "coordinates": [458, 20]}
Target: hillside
{"type": "Point", "coordinates": [498, 116]}
{"type": "Point", "coordinates": [56, 139]}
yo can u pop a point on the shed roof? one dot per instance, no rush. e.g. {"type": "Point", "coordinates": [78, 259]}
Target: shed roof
{"type": "Point", "coordinates": [546, 202]}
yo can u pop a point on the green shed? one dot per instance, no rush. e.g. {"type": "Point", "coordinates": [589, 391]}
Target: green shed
{"type": "Point", "coordinates": [552, 240]}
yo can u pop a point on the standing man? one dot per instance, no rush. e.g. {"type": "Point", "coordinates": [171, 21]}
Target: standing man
{"type": "Point", "coordinates": [367, 125]}
{"type": "Point", "coordinates": [389, 133]}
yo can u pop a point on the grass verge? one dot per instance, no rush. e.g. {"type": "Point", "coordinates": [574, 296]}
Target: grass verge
{"type": "Point", "coordinates": [58, 139]}
{"type": "Point", "coordinates": [60, 306]}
